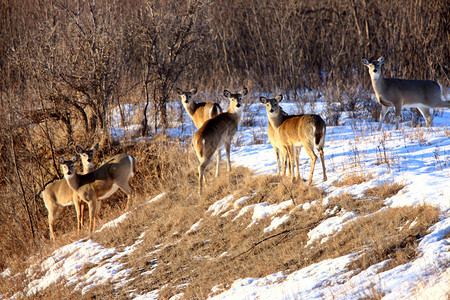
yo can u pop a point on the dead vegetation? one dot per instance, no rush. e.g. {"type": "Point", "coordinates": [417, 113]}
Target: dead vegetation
{"type": "Point", "coordinates": [224, 247]}
{"type": "Point", "coordinates": [60, 85]}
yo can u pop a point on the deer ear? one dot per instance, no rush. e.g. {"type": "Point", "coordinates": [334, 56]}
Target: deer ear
{"type": "Point", "coordinates": [95, 148]}
{"type": "Point", "coordinates": [193, 91]}
{"type": "Point", "coordinates": [74, 159]}
{"type": "Point", "coordinates": [263, 100]}
{"type": "Point", "coordinates": [79, 150]}
{"type": "Point", "coordinates": [279, 98]}
{"type": "Point", "coordinates": [381, 60]}
{"type": "Point", "coordinates": [226, 93]}
{"type": "Point", "coordinates": [244, 91]}
{"type": "Point", "coordinates": [61, 160]}
{"type": "Point", "coordinates": [179, 92]}
{"type": "Point", "coordinates": [365, 62]}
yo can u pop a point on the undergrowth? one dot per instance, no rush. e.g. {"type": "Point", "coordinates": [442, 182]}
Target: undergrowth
{"type": "Point", "coordinates": [174, 258]}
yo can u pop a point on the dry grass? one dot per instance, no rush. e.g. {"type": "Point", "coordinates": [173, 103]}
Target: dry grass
{"type": "Point", "coordinates": [387, 234]}
{"type": "Point", "coordinates": [352, 179]}
{"type": "Point", "coordinates": [222, 249]}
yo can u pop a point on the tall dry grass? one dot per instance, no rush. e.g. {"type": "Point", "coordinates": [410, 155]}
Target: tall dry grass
{"type": "Point", "coordinates": [174, 258]}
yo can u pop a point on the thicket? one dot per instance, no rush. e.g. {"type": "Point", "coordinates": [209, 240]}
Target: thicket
{"type": "Point", "coordinates": [64, 65]}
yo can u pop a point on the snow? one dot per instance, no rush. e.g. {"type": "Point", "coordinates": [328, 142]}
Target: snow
{"type": "Point", "coordinates": [328, 227]}
{"type": "Point", "coordinates": [419, 158]}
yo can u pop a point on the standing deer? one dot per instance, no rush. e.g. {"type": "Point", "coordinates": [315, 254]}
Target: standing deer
{"type": "Point", "coordinates": [217, 132]}
{"type": "Point", "coordinates": [58, 195]}
{"type": "Point", "coordinates": [199, 112]}
{"type": "Point", "coordinates": [295, 131]}
{"type": "Point", "coordinates": [280, 151]}
{"type": "Point", "coordinates": [87, 158]}
{"type": "Point", "coordinates": [398, 93]}
{"type": "Point", "coordinates": [100, 183]}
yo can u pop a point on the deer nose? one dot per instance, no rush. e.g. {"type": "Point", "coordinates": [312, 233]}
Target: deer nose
{"type": "Point", "coordinates": [271, 110]}
{"type": "Point", "coordinates": [374, 70]}
{"type": "Point", "coordinates": [238, 105]}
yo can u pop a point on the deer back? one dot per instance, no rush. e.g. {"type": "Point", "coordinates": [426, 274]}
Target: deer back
{"type": "Point", "coordinates": [298, 130]}
{"type": "Point", "coordinates": [104, 179]}
{"type": "Point", "coordinates": [215, 132]}
{"type": "Point", "coordinates": [409, 91]}
{"type": "Point", "coordinates": [204, 111]}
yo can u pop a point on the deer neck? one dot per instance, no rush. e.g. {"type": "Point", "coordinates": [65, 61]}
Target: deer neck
{"type": "Point", "coordinates": [378, 82]}
{"type": "Point", "coordinates": [88, 168]}
{"type": "Point", "coordinates": [73, 181]}
{"type": "Point", "coordinates": [277, 119]}
{"type": "Point", "coordinates": [191, 107]}
{"type": "Point", "coordinates": [235, 113]}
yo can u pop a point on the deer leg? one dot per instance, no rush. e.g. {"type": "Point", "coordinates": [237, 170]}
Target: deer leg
{"type": "Point", "coordinates": [283, 158]}
{"type": "Point", "coordinates": [398, 112]}
{"type": "Point", "coordinates": [127, 189]}
{"type": "Point", "coordinates": [313, 157]}
{"type": "Point", "coordinates": [218, 157]}
{"type": "Point", "coordinates": [291, 162]}
{"type": "Point", "coordinates": [227, 150]}
{"type": "Point", "coordinates": [297, 158]}
{"type": "Point", "coordinates": [384, 111]}
{"type": "Point", "coordinates": [92, 214]}
{"type": "Point", "coordinates": [277, 156]}
{"type": "Point", "coordinates": [51, 219]}
{"type": "Point", "coordinates": [201, 173]}
{"type": "Point", "coordinates": [78, 209]}
{"type": "Point", "coordinates": [82, 207]}
{"type": "Point", "coordinates": [322, 159]}
{"type": "Point", "coordinates": [425, 111]}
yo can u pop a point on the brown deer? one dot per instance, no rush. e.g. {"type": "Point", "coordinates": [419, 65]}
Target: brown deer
{"type": "Point", "coordinates": [280, 151]}
{"type": "Point", "coordinates": [58, 195]}
{"type": "Point", "coordinates": [199, 112]}
{"type": "Point", "coordinates": [218, 132]}
{"type": "Point", "coordinates": [100, 183]}
{"type": "Point", "coordinates": [399, 93]}
{"type": "Point", "coordinates": [296, 131]}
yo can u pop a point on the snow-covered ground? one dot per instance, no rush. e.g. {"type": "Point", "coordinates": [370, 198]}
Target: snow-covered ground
{"type": "Point", "coordinates": [419, 158]}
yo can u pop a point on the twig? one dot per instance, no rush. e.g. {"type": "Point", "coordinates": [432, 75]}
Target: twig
{"type": "Point", "coordinates": [275, 235]}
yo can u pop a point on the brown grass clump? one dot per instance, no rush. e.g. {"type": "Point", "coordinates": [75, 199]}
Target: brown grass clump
{"type": "Point", "coordinates": [353, 179]}
{"type": "Point", "coordinates": [387, 234]}
{"type": "Point", "coordinates": [385, 190]}
{"type": "Point", "coordinates": [372, 201]}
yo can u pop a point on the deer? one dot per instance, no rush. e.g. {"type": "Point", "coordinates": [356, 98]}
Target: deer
{"type": "Point", "coordinates": [217, 132]}
{"type": "Point", "coordinates": [296, 131]}
{"type": "Point", "coordinates": [280, 152]}
{"type": "Point", "coordinates": [199, 112]}
{"type": "Point", "coordinates": [399, 93]}
{"type": "Point", "coordinates": [57, 195]}
{"type": "Point", "coordinates": [99, 184]}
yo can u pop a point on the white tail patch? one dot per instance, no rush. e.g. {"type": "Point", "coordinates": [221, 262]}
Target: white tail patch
{"type": "Point", "coordinates": [132, 162]}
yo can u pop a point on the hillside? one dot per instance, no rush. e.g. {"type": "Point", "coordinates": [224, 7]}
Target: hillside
{"type": "Point", "coordinates": [379, 227]}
